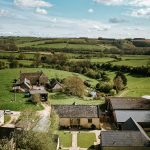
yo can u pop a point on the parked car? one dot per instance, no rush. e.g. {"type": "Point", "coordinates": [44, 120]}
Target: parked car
{"type": "Point", "coordinates": [8, 112]}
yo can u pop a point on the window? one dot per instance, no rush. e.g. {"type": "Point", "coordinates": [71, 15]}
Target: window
{"type": "Point", "coordinates": [89, 120]}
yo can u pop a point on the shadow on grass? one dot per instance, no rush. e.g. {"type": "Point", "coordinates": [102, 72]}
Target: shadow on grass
{"type": "Point", "coordinates": [59, 96]}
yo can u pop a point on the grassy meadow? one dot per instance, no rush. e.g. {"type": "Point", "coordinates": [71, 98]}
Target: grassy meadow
{"type": "Point", "coordinates": [6, 80]}
{"type": "Point", "coordinates": [137, 86]}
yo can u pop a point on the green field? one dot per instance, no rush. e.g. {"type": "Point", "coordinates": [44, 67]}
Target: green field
{"type": "Point", "coordinates": [60, 44]}
{"type": "Point", "coordinates": [24, 62]}
{"type": "Point", "coordinates": [85, 140]}
{"type": "Point", "coordinates": [132, 62]}
{"type": "Point", "coordinates": [137, 86]}
{"type": "Point", "coordinates": [8, 75]}
{"type": "Point", "coordinates": [16, 54]}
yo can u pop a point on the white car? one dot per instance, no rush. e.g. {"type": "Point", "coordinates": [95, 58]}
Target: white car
{"type": "Point", "coordinates": [8, 112]}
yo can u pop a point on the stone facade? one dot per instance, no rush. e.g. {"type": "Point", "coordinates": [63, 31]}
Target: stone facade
{"type": "Point", "coordinates": [76, 122]}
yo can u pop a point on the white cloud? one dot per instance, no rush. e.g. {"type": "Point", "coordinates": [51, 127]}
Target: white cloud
{"type": "Point", "coordinates": [32, 3]}
{"type": "Point", "coordinates": [142, 12]}
{"type": "Point", "coordinates": [41, 11]}
{"type": "Point", "coordinates": [140, 8]}
{"type": "Point", "coordinates": [139, 3]}
{"type": "Point", "coordinates": [90, 10]}
{"type": "Point", "coordinates": [3, 12]}
{"type": "Point", "coordinates": [109, 2]}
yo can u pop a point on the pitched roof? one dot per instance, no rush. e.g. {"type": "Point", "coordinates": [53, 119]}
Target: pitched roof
{"type": "Point", "coordinates": [134, 103]}
{"type": "Point", "coordinates": [38, 92]}
{"type": "Point", "coordinates": [131, 124]}
{"type": "Point", "coordinates": [123, 138]}
{"type": "Point", "coordinates": [77, 111]}
{"type": "Point", "coordinates": [31, 76]}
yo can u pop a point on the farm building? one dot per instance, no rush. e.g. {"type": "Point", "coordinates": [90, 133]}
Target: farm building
{"type": "Point", "coordinates": [130, 138]}
{"type": "Point", "coordinates": [123, 140]}
{"type": "Point", "coordinates": [35, 78]}
{"type": "Point", "coordinates": [1, 117]}
{"type": "Point", "coordinates": [76, 116]}
{"type": "Point", "coordinates": [57, 87]}
{"type": "Point", "coordinates": [122, 108]}
{"type": "Point", "coordinates": [28, 81]}
{"type": "Point", "coordinates": [43, 94]}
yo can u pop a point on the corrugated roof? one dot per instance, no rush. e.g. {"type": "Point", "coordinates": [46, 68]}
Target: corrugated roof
{"type": "Point", "coordinates": [77, 111]}
{"type": "Point", "coordinates": [134, 103]}
{"type": "Point", "coordinates": [123, 139]}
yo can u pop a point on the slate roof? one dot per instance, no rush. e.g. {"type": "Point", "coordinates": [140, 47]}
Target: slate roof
{"type": "Point", "coordinates": [32, 76]}
{"type": "Point", "coordinates": [77, 111]}
{"type": "Point", "coordinates": [38, 92]}
{"type": "Point", "coordinates": [142, 116]}
{"type": "Point", "coordinates": [123, 139]}
{"type": "Point", "coordinates": [129, 103]}
{"type": "Point", "coordinates": [130, 124]}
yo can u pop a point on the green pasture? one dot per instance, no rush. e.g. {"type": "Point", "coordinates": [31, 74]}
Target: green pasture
{"type": "Point", "coordinates": [6, 80]}
{"type": "Point", "coordinates": [137, 85]}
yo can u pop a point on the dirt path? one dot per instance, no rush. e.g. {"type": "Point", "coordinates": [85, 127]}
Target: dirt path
{"type": "Point", "coordinates": [123, 93]}
{"type": "Point", "coordinates": [44, 122]}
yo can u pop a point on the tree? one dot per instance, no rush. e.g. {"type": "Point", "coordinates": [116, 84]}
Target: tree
{"type": "Point", "coordinates": [123, 77]}
{"type": "Point", "coordinates": [118, 83]}
{"type": "Point", "coordinates": [36, 98]}
{"type": "Point", "coordinates": [14, 64]}
{"type": "Point", "coordinates": [2, 65]}
{"type": "Point", "coordinates": [74, 86]}
{"type": "Point", "coordinates": [37, 58]}
{"type": "Point", "coordinates": [105, 87]}
{"type": "Point", "coordinates": [22, 56]}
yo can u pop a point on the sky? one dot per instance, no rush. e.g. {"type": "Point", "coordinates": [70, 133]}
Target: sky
{"type": "Point", "coordinates": [75, 18]}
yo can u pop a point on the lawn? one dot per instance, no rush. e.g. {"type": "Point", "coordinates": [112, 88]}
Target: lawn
{"type": "Point", "coordinates": [8, 75]}
{"type": "Point", "coordinates": [85, 140]}
{"type": "Point", "coordinates": [6, 118]}
{"type": "Point", "coordinates": [65, 139]}
{"type": "Point", "coordinates": [60, 98]}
